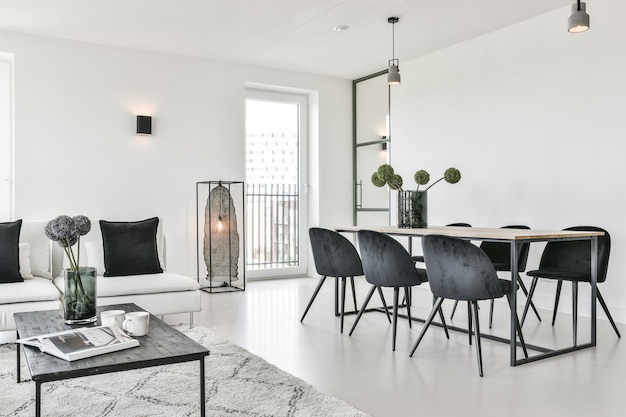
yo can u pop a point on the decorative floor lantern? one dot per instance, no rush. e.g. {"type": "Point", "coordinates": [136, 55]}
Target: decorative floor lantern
{"type": "Point", "coordinates": [220, 220]}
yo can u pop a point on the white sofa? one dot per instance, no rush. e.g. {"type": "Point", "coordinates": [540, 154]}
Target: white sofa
{"type": "Point", "coordinates": [160, 294]}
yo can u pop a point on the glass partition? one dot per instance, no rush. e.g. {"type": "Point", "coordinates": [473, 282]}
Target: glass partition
{"type": "Point", "coordinates": [370, 100]}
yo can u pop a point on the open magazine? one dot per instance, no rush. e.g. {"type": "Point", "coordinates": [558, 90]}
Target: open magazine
{"type": "Point", "coordinates": [82, 343]}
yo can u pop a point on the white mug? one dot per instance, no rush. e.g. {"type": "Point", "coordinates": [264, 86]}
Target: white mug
{"type": "Point", "coordinates": [112, 318]}
{"type": "Point", "coordinates": [136, 323]}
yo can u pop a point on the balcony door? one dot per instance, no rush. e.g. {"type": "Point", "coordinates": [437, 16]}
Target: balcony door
{"type": "Point", "coordinates": [276, 142]}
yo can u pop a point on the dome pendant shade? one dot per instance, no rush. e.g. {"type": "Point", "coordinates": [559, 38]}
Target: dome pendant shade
{"type": "Point", "coordinates": [579, 20]}
{"type": "Point", "coordinates": [393, 78]}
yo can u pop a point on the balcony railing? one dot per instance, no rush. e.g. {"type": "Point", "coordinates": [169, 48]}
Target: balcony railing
{"type": "Point", "coordinates": [272, 229]}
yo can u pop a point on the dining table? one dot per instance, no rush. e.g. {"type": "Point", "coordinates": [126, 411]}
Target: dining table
{"type": "Point", "coordinates": [516, 237]}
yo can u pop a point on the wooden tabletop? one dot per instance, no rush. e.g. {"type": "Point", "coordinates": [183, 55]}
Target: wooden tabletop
{"type": "Point", "coordinates": [478, 232]}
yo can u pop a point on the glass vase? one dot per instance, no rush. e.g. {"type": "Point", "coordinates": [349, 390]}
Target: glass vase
{"type": "Point", "coordinates": [412, 209]}
{"type": "Point", "coordinates": [80, 295]}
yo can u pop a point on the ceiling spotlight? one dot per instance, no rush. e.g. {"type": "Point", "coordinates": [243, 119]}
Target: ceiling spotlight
{"type": "Point", "coordinates": [579, 20]}
{"type": "Point", "coordinates": [393, 77]}
{"type": "Point", "coordinates": [341, 28]}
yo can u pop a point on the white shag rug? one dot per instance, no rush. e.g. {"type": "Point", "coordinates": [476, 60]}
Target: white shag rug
{"type": "Point", "coordinates": [238, 384]}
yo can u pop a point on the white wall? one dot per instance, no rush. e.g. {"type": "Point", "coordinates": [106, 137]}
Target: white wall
{"type": "Point", "coordinates": [533, 118]}
{"type": "Point", "coordinates": [76, 151]}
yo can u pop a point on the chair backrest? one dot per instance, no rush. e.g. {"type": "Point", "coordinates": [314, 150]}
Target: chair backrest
{"type": "Point", "coordinates": [334, 255]}
{"type": "Point", "coordinates": [573, 257]}
{"type": "Point", "coordinates": [500, 252]}
{"type": "Point", "coordinates": [386, 262]}
{"type": "Point", "coordinates": [459, 224]}
{"type": "Point", "coordinates": [459, 270]}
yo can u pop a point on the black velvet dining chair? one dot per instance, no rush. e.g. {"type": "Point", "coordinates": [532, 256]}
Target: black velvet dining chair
{"type": "Point", "coordinates": [500, 255]}
{"type": "Point", "coordinates": [335, 256]}
{"type": "Point", "coordinates": [386, 263]}
{"type": "Point", "coordinates": [420, 258]}
{"type": "Point", "coordinates": [571, 261]}
{"type": "Point", "coordinates": [459, 270]}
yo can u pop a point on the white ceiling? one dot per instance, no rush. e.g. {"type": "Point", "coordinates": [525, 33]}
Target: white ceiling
{"type": "Point", "coordinates": [291, 34]}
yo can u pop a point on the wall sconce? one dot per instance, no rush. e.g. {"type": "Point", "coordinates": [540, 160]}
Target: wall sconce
{"type": "Point", "coordinates": [144, 125]}
{"type": "Point", "coordinates": [579, 19]}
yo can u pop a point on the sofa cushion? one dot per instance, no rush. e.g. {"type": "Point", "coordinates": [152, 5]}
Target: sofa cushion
{"type": "Point", "coordinates": [40, 247]}
{"type": "Point", "coordinates": [25, 270]}
{"type": "Point", "coordinates": [7, 323]}
{"type": "Point", "coordinates": [139, 284]}
{"type": "Point", "coordinates": [31, 289]}
{"type": "Point", "coordinates": [95, 254]}
{"type": "Point", "coordinates": [9, 252]}
{"type": "Point", "coordinates": [130, 248]}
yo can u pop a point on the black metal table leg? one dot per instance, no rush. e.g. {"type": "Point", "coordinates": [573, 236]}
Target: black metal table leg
{"type": "Point", "coordinates": [202, 394]}
{"type": "Point", "coordinates": [37, 399]}
{"type": "Point", "coordinates": [17, 349]}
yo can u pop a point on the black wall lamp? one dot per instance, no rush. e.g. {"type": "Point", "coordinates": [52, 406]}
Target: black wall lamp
{"type": "Point", "coordinates": [144, 125]}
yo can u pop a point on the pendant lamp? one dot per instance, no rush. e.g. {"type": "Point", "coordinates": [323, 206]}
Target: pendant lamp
{"type": "Point", "coordinates": [579, 20]}
{"type": "Point", "coordinates": [393, 77]}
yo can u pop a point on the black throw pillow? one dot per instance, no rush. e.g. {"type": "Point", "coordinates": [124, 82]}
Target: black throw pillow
{"type": "Point", "coordinates": [9, 252]}
{"type": "Point", "coordinates": [130, 248]}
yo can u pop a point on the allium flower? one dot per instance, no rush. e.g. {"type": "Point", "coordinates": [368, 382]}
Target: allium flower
{"type": "Point", "coordinates": [377, 181]}
{"type": "Point", "coordinates": [452, 175]}
{"type": "Point", "coordinates": [66, 231]}
{"type": "Point", "coordinates": [421, 177]}
{"type": "Point", "coordinates": [395, 182]}
{"type": "Point", "coordinates": [385, 175]}
{"type": "Point", "coordinates": [385, 172]}
{"type": "Point", "coordinates": [83, 224]}
{"type": "Point", "coordinates": [63, 227]}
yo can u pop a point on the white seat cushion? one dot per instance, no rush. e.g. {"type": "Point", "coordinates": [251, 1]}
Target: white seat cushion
{"type": "Point", "coordinates": [32, 289]}
{"type": "Point", "coordinates": [139, 284]}
{"type": "Point", "coordinates": [7, 323]}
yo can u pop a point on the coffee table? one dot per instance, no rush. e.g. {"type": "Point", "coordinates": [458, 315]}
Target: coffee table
{"type": "Point", "coordinates": [163, 345]}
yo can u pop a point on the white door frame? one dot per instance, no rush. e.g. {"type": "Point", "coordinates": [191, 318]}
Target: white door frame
{"type": "Point", "coordinates": [303, 128]}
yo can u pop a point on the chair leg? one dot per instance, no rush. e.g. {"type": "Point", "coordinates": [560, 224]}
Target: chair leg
{"type": "Point", "coordinates": [343, 301]}
{"type": "Point", "coordinates": [396, 296]}
{"type": "Point", "coordinates": [407, 294]}
{"type": "Point", "coordinates": [557, 297]}
{"type": "Point", "coordinates": [443, 319]}
{"type": "Point", "coordinates": [523, 287]}
{"type": "Point", "coordinates": [382, 298]}
{"type": "Point", "coordinates": [456, 303]}
{"type": "Point", "coordinates": [336, 296]}
{"type": "Point", "coordinates": [429, 320]}
{"type": "Point", "coordinates": [406, 299]}
{"type": "Point", "coordinates": [533, 285]}
{"type": "Point", "coordinates": [518, 328]}
{"type": "Point", "coordinates": [608, 315]}
{"type": "Point", "coordinates": [575, 311]}
{"type": "Point", "coordinates": [367, 300]}
{"type": "Point", "coordinates": [317, 290]}
{"type": "Point", "coordinates": [491, 313]}
{"type": "Point", "coordinates": [479, 355]}
{"type": "Point", "coordinates": [469, 323]}
{"type": "Point", "coordinates": [353, 293]}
